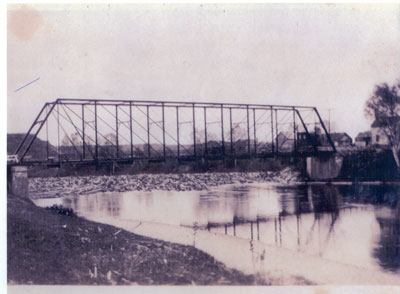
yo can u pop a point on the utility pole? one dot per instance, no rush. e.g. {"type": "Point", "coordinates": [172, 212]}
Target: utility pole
{"type": "Point", "coordinates": [329, 120]}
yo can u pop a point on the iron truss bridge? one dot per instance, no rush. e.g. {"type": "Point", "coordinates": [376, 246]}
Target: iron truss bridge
{"type": "Point", "coordinates": [94, 131]}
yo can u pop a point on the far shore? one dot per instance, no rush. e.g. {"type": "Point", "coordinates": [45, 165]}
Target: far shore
{"type": "Point", "coordinates": [50, 187]}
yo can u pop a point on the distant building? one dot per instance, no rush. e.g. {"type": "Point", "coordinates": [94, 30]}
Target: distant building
{"type": "Point", "coordinates": [285, 141]}
{"type": "Point", "coordinates": [341, 139]}
{"type": "Point", "coordinates": [378, 136]}
{"type": "Point", "coordinates": [306, 141]}
{"type": "Point", "coordinates": [363, 139]}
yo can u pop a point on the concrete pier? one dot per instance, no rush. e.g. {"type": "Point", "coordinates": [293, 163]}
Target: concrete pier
{"type": "Point", "coordinates": [324, 168]}
{"type": "Point", "coordinates": [17, 180]}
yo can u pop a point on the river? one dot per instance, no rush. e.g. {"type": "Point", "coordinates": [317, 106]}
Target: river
{"type": "Point", "coordinates": [351, 225]}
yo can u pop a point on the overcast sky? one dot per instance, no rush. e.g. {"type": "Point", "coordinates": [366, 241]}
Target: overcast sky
{"type": "Point", "coordinates": [328, 56]}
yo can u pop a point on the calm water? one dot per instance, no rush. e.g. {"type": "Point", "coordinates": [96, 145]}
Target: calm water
{"type": "Point", "coordinates": [352, 225]}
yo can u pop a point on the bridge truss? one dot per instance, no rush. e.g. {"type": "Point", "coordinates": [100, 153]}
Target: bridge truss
{"type": "Point", "coordinates": [90, 130]}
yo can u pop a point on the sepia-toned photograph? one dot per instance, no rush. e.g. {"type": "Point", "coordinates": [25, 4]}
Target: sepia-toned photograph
{"type": "Point", "coordinates": [203, 145]}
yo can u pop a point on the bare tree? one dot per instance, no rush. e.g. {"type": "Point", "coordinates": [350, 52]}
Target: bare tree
{"type": "Point", "coordinates": [200, 136]}
{"type": "Point", "coordinates": [384, 106]}
{"type": "Point", "coordinates": [109, 139]}
{"type": "Point", "coordinates": [74, 139]}
{"type": "Point", "coordinates": [66, 141]}
{"type": "Point", "coordinates": [238, 133]}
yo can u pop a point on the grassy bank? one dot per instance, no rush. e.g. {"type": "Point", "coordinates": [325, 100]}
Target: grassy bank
{"type": "Point", "coordinates": [48, 248]}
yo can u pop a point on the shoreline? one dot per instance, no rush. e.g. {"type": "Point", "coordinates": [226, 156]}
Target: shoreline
{"type": "Point", "coordinates": [44, 248]}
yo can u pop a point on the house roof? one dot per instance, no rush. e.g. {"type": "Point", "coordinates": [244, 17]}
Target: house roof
{"type": "Point", "coordinates": [363, 135]}
{"type": "Point", "coordinates": [338, 136]}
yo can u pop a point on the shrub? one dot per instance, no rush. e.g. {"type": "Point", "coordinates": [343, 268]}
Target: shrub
{"type": "Point", "coordinates": [59, 209]}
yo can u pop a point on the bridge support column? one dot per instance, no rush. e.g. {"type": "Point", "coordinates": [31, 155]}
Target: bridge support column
{"type": "Point", "coordinates": [324, 167]}
{"type": "Point", "coordinates": [17, 180]}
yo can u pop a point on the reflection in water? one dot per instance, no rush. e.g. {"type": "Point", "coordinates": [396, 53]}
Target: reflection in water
{"type": "Point", "coordinates": [387, 213]}
{"type": "Point", "coordinates": [357, 225]}
{"type": "Point", "coordinates": [388, 247]}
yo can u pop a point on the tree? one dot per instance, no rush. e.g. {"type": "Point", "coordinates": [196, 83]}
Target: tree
{"type": "Point", "coordinates": [384, 106]}
{"type": "Point", "coordinates": [199, 135]}
{"type": "Point", "coordinates": [109, 139]}
{"type": "Point", "coordinates": [238, 133]}
{"type": "Point", "coordinates": [66, 141]}
{"type": "Point", "coordinates": [200, 139]}
{"type": "Point", "coordinates": [74, 139]}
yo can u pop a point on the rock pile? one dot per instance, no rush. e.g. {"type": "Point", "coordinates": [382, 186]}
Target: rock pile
{"type": "Point", "coordinates": [53, 187]}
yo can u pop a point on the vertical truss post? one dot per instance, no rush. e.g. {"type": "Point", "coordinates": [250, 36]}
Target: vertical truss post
{"type": "Point", "coordinates": [272, 131]}
{"type": "Point", "coordinates": [47, 135]}
{"type": "Point", "coordinates": [231, 131]}
{"type": "Point", "coordinates": [130, 128]}
{"type": "Point", "coordinates": [315, 125]}
{"type": "Point", "coordinates": [58, 130]}
{"type": "Point", "coordinates": [163, 128]}
{"type": "Point", "coordinates": [276, 131]}
{"type": "Point", "coordinates": [255, 132]}
{"type": "Point", "coordinates": [294, 132]}
{"type": "Point", "coordinates": [222, 130]}
{"type": "Point", "coordinates": [95, 131]}
{"type": "Point", "coordinates": [177, 131]}
{"type": "Point", "coordinates": [205, 130]}
{"type": "Point", "coordinates": [116, 130]}
{"type": "Point", "coordinates": [148, 131]}
{"type": "Point", "coordinates": [83, 132]}
{"type": "Point", "coordinates": [194, 131]}
{"type": "Point", "coordinates": [248, 130]}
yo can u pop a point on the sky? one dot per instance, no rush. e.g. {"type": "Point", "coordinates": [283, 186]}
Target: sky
{"type": "Point", "coordinates": [326, 55]}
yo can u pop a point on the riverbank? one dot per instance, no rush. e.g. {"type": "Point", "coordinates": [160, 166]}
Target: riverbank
{"type": "Point", "coordinates": [45, 248]}
{"type": "Point", "coordinates": [62, 186]}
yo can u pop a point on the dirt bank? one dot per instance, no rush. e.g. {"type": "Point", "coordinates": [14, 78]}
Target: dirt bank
{"type": "Point", "coordinates": [55, 187]}
{"type": "Point", "coordinates": [48, 248]}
